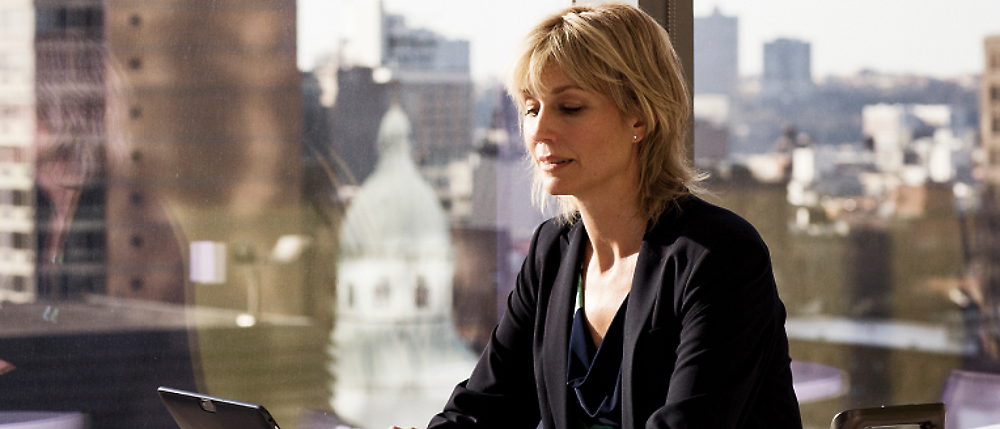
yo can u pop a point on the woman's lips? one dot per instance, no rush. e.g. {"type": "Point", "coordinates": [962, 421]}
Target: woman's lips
{"type": "Point", "coordinates": [550, 163]}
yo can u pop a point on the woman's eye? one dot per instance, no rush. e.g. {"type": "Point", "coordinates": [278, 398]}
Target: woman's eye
{"type": "Point", "coordinates": [571, 109]}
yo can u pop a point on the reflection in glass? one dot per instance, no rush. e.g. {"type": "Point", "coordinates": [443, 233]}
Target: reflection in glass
{"type": "Point", "coordinates": [395, 353]}
{"type": "Point", "coordinates": [140, 128]}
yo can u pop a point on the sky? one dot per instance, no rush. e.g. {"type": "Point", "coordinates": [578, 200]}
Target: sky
{"type": "Point", "coordinates": [940, 38]}
{"type": "Point", "coordinates": [492, 27]}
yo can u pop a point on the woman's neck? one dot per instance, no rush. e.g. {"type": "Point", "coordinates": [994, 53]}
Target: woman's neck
{"type": "Point", "coordinates": [615, 230]}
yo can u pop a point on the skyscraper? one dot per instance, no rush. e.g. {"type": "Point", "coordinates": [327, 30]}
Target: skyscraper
{"type": "Point", "coordinates": [213, 103]}
{"type": "Point", "coordinates": [212, 99]}
{"type": "Point", "coordinates": [989, 98]}
{"type": "Point", "coordinates": [715, 59]}
{"type": "Point", "coordinates": [17, 132]}
{"type": "Point", "coordinates": [434, 87]}
{"type": "Point", "coordinates": [787, 70]}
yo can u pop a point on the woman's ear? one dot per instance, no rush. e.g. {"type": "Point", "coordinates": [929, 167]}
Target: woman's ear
{"type": "Point", "coordinates": [638, 126]}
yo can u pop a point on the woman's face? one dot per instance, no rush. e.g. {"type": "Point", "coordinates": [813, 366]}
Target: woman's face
{"type": "Point", "coordinates": [581, 143]}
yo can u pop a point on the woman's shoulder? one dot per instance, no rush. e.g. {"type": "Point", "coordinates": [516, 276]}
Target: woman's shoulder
{"type": "Point", "coordinates": [699, 222]}
{"type": "Point", "coordinates": [554, 229]}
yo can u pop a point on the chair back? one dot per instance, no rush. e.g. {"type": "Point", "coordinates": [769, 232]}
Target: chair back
{"type": "Point", "coordinates": [928, 416]}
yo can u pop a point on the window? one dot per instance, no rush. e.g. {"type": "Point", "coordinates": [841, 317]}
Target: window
{"type": "Point", "coordinates": [21, 198]}
{"type": "Point", "coordinates": [420, 293]}
{"type": "Point", "coordinates": [865, 239]}
{"type": "Point", "coordinates": [21, 241]}
{"type": "Point", "coordinates": [255, 126]}
{"type": "Point", "coordinates": [383, 291]}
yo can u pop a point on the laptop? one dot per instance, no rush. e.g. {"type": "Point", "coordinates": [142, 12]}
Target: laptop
{"type": "Point", "coordinates": [197, 411]}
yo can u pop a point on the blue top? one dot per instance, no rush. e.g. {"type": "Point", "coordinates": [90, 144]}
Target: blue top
{"type": "Point", "coordinates": [594, 373]}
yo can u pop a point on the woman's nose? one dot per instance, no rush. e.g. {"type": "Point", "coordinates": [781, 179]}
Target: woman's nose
{"type": "Point", "coordinates": [539, 128]}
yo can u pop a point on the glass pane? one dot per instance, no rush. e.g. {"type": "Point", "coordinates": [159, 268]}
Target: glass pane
{"type": "Point", "coordinates": [856, 137]}
{"type": "Point", "coordinates": [309, 205]}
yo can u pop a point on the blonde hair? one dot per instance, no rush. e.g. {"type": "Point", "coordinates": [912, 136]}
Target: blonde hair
{"type": "Point", "coordinates": [619, 51]}
{"type": "Point", "coordinates": [78, 93]}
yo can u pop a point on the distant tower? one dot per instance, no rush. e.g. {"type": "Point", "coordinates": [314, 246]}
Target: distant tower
{"type": "Point", "coordinates": [396, 356]}
{"type": "Point", "coordinates": [432, 81]}
{"type": "Point", "coordinates": [359, 106]}
{"type": "Point", "coordinates": [984, 238]}
{"type": "Point", "coordinates": [990, 107]}
{"type": "Point", "coordinates": [434, 87]}
{"type": "Point", "coordinates": [17, 139]}
{"type": "Point", "coordinates": [787, 70]}
{"type": "Point", "coordinates": [715, 59]}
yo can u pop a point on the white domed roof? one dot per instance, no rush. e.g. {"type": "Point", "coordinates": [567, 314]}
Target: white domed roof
{"type": "Point", "coordinates": [395, 213]}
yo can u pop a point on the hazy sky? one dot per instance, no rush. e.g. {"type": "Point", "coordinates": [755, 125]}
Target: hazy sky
{"type": "Point", "coordinates": [492, 27]}
{"type": "Point", "coordinates": [935, 37]}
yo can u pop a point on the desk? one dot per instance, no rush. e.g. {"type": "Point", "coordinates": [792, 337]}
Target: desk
{"type": "Point", "coordinates": [41, 420]}
{"type": "Point", "coordinates": [813, 381]}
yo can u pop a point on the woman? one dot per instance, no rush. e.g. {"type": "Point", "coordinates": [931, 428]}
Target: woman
{"type": "Point", "coordinates": [640, 305]}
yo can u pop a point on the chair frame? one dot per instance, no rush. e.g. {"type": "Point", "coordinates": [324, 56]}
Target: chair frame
{"type": "Point", "coordinates": [928, 416]}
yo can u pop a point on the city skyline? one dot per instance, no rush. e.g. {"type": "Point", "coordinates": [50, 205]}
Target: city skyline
{"type": "Point", "coordinates": [923, 37]}
{"type": "Point", "coordinates": [888, 36]}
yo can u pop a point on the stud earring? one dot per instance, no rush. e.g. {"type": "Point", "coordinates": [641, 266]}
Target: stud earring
{"type": "Point", "coordinates": [635, 137]}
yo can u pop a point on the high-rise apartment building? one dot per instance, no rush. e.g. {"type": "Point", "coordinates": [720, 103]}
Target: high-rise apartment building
{"type": "Point", "coordinates": [179, 125]}
{"type": "Point", "coordinates": [787, 70]}
{"type": "Point", "coordinates": [359, 106]}
{"type": "Point", "coordinates": [52, 135]}
{"type": "Point", "coordinates": [429, 77]}
{"type": "Point", "coordinates": [213, 101]}
{"type": "Point", "coordinates": [989, 111]}
{"type": "Point", "coordinates": [434, 87]}
{"type": "Point", "coordinates": [715, 61]}
{"type": "Point", "coordinates": [17, 133]}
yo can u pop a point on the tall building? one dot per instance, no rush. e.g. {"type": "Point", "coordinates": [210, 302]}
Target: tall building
{"type": "Point", "coordinates": [429, 76]}
{"type": "Point", "coordinates": [213, 102]}
{"type": "Point", "coordinates": [212, 99]}
{"type": "Point", "coordinates": [433, 84]}
{"type": "Point", "coordinates": [75, 141]}
{"type": "Point", "coordinates": [989, 112]}
{"type": "Point", "coordinates": [715, 60]}
{"type": "Point", "coordinates": [787, 70]}
{"type": "Point", "coordinates": [17, 133]}
{"type": "Point", "coordinates": [357, 110]}
{"type": "Point", "coordinates": [980, 234]}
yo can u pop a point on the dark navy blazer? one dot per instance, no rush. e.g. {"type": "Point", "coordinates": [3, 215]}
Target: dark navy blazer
{"type": "Point", "coordinates": [705, 344]}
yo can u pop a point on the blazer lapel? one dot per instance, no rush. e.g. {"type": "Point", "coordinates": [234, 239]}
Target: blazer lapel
{"type": "Point", "coordinates": [647, 284]}
{"type": "Point", "coordinates": [642, 297]}
{"type": "Point", "coordinates": [555, 347]}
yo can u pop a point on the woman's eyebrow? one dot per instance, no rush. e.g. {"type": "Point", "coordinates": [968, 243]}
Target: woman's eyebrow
{"type": "Point", "coordinates": [527, 93]}
{"type": "Point", "coordinates": [565, 88]}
